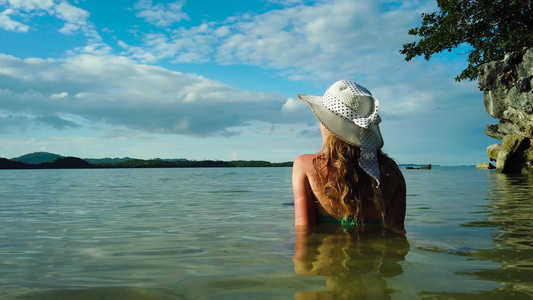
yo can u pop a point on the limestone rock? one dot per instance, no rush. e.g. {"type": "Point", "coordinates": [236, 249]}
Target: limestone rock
{"type": "Point", "coordinates": [507, 87]}
{"type": "Point", "coordinates": [512, 157]}
{"type": "Point", "coordinates": [485, 166]}
{"type": "Point", "coordinates": [508, 95]}
{"type": "Point", "coordinates": [498, 131]}
{"type": "Point", "coordinates": [493, 150]}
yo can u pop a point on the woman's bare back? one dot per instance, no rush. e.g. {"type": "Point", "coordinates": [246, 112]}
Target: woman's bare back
{"type": "Point", "coordinates": [310, 196]}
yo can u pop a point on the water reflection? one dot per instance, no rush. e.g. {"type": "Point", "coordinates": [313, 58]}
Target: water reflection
{"type": "Point", "coordinates": [98, 294]}
{"type": "Point", "coordinates": [510, 212]}
{"type": "Point", "coordinates": [355, 264]}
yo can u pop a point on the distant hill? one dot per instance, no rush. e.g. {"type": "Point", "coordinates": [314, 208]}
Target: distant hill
{"type": "Point", "coordinates": [45, 160]}
{"type": "Point", "coordinates": [68, 162]}
{"type": "Point", "coordinates": [37, 157]}
{"type": "Point", "coordinates": [12, 164]}
{"type": "Point", "coordinates": [47, 157]}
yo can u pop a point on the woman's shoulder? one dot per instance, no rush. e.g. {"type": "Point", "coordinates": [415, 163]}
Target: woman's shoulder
{"type": "Point", "coordinates": [393, 175]}
{"type": "Point", "coordinates": [305, 158]}
{"type": "Point", "coordinates": [389, 165]}
{"type": "Point", "coordinates": [304, 162]}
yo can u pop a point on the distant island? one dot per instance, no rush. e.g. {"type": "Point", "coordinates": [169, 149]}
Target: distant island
{"type": "Point", "coordinates": [426, 167]}
{"type": "Point", "coordinates": [45, 160]}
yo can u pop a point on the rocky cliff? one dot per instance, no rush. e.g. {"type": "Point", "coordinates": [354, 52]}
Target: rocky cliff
{"type": "Point", "coordinates": [508, 96]}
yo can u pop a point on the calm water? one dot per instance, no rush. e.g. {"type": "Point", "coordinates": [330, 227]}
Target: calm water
{"type": "Point", "coordinates": [229, 234]}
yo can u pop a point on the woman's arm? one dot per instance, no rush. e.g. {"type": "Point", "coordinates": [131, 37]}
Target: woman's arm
{"type": "Point", "coordinates": [398, 203]}
{"type": "Point", "coordinates": [304, 206]}
{"type": "Point", "coordinates": [303, 260]}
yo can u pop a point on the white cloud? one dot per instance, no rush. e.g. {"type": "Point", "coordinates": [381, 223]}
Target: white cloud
{"type": "Point", "coordinates": [93, 47]}
{"type": "Point", "coordinates": [292, 105]}
{"type": "Point", "coordinates": [75, 18]}
{"type": "Point", "coordinates": [350, 39]}
{"type": "Point", "coordinates": [222, 31]}
{"type": "Point", "coordinates": [321, 42]}
{"type": "Point", "coordinates": [69, 28]}
{"type": "Point", "coordinates": [59, 96]}
{"type": "Point", "coordinates": [71, 14]}
{"type": "Point", "coordinates": [116, 91]}
{"type": "Point", "coordinates": [8, 24]}
{"type": "Point", "coordinates": [29, 5]}
{"type": "Point", "coordinates": [137, 53]}
{"type": "Point", "coordinates": [162, 15]}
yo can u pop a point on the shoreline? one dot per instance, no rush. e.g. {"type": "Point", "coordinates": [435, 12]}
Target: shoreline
{"type": "Point", "coordinates": [78, 163]}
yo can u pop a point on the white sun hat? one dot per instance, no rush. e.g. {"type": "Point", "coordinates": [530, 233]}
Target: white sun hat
{"type": "Point", "coordinates": [350, 112]}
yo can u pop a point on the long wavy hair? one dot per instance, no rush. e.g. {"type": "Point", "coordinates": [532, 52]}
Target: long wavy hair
{"type": "Point", "coordinates": [348, 187]}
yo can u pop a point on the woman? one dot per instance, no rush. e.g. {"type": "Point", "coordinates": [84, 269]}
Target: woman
{"type": "Point", "coordinates": [350, 181]}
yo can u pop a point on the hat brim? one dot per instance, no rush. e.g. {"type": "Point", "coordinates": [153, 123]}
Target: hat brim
{"type": "Point", "coordinates": [341, 127]}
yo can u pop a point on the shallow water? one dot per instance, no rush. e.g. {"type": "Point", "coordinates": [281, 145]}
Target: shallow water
{"type": "Point", "coordinates": [228, 234]}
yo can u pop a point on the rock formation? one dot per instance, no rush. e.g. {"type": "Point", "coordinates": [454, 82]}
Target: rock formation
{"type": "Point", "coordinates": [485, 166]}
{"type": "Point", "coordinates": [508, 96]}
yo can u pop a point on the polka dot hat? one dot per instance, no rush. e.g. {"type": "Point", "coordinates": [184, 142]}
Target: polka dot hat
{"type": "Point", "coordinates": [350, 112]}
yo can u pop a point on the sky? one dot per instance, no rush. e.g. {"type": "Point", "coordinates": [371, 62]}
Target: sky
{"type": "Point", "coordinates": [219, 80]}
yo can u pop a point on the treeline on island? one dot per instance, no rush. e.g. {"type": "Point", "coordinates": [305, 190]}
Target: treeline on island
{"type": "Point", "coordinates": [70, 162]}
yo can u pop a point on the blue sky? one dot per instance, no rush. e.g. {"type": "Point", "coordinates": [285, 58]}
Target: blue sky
{"type": "Point", "coordinates": [218, 79]}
